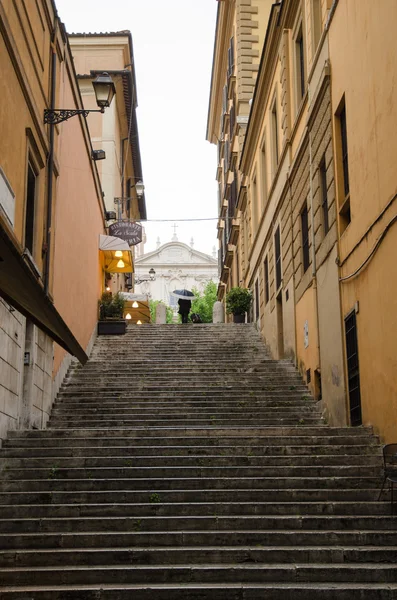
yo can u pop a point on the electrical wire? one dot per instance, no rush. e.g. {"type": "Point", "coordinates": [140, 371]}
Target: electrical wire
{"type": "Point", "coordinates": [181, 220]}
{"type": "Point", "coordinates": [371, 254]}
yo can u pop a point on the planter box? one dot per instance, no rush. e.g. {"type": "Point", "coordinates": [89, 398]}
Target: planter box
{"type": "Point", "coordinates": [112, 327]}
{"type": "Point", "coordinates": [239, 318]}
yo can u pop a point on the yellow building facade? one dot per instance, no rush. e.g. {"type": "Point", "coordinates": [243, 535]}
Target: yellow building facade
{"type": "Point", "coordinates": [364, 70]}
{"type": "Point", "coordinates": [116, 131]}
{"type": "Point", "coordinates": [292, 231]}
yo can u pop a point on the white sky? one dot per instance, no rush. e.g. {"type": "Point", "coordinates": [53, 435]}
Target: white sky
{"type": "Point", "coordinates": [173, 44]}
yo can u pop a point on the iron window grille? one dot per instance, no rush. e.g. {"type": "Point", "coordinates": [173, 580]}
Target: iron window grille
{"type": "Point", "coordinates": [277, 251]}
{"type": "Point", "coordinates": [305, 238]}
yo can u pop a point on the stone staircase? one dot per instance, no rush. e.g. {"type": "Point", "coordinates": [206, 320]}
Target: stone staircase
{"type": "Point", "coordinates": [183, 463]}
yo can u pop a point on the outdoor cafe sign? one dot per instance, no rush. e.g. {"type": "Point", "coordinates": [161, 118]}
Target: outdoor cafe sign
{"type": "Point", "coordinates": [130, 231]}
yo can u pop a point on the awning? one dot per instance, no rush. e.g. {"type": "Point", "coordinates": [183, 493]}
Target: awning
{"type": "Point", "coordinates": [136, 308]}
{"type": "Point", "coordinates": [21, 288]}
{"type": "Point", "coordinates": [117, 255]}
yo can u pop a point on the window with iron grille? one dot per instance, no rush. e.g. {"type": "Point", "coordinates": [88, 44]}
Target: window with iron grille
{"type": "Point", "coordinates": [275, 148]}
{"type": "Point", "coordinates": [267, 289]}
{"type": "Point", "coordinates": [230, 57]}
{"type": "Point", "coordinates": [305, 238]}
{"type": "Point", "coordinates": [353, 371]}
{"type": "Point", "coordinates": [277, 256]}
{"type": "Point", "coordinates": [233, 195]}
{"type": "Point", "coordinates": [324, 194]}
{"type": "Point", "coordinates": [300, 65]}
{"type": "Point", "coordinates": [257, 299]}
{"type": "Point", "coordinates": [345, 161]}
{"type": "Point", "coordinates": [232, 120]}
{"type": "Point", "coordinates": [224, 100]}
{"type": "Point", "coordinates": [30, 208]}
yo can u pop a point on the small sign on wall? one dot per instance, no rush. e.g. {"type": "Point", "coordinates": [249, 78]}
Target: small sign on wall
{"type": "Point", "coordinates": [306, 334]}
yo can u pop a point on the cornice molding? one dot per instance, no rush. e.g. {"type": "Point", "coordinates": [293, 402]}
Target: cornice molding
{"type": "Point", "coordinates": [224, 25]}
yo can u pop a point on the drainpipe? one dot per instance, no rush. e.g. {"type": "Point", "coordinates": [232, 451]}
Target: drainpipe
{"type": "Point", "coordinates": [50, 163]}
{"type": "Point", "coordinates": [122, 166]}
{"type": "Point", "coordinates": [293, 269]}
{"type": "Point", "coordinates": [314, 266]}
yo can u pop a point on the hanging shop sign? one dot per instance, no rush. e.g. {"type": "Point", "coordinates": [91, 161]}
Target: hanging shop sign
{"type": "Point", "coordinates": [130, 231]}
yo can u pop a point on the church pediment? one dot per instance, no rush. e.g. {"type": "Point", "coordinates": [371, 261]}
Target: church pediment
{"type": "Point", "coordinates": [175, 253]}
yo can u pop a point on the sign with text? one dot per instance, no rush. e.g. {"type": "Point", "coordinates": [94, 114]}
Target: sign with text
{"type": "Point", "coordinates": [130, 231]}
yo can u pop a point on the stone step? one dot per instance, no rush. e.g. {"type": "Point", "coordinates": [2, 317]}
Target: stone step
{"type": "Point", "coordinates": [266, 462]}
{"type": "Point", "coordinates": [182, 539]}
{"type": "Point", "coordinates": [69, 410]}
{"type": "Point", "coordinates": [148, 368]}
{"type": "Point", "coordinates": [197, 556]}
{"type": "Point", "coordinates": [298, 497]}
{"type": "Point", "coordinates": [187, 385]}
{"type": "Point", "coordinates": [207, 432]}
{"type": "Point", "coordinates": [216, 591]}
{"type": "Point", "coordinates": [86, 482]}
{"type": "Point", "coordinates": [330, 523]}
{"type": "Point", "coordinates": [153, 504]}
{"type": "Point", "coordinates": [125, 437]}
{"type": "Point", "coordinates": [210, 573]}
{"type": "Point", "coordinates": [193, 402]}
{"type": "Point", "coordinates": [76, 422]}
{"type": "Point", "coordinates": [346, 453]}
{"type": "Point", "coordinates": [222, 395]}
{"type": "Point", "coordinates": [196, 471]}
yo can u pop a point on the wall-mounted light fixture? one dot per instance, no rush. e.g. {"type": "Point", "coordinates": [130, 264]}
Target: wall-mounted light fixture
{"type": "Point", "coordinates": [104, 91]}
{"type": "Point", "coordinates": [98, 154]}
{"type": "Point", "coordinates": [140, 189]}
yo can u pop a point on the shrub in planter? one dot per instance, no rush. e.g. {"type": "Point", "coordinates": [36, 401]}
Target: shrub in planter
{"type": "Point", "coordinates": [238, 302]}
{"type": "Point", "coordinates": [111, 319]}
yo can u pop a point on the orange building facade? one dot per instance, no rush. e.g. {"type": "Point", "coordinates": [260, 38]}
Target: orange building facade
{"type": "Point", "coordinates": [52, 212]}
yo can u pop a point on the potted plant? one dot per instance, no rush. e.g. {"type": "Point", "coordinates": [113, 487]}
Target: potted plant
{"type": "Point", "coordinates": [111, 321]}
{"type": "Point", "coordinates": [238, 302]}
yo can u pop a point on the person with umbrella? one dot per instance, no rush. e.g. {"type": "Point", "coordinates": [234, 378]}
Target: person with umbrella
{"type": "Point", "coordinates": [185, 298]}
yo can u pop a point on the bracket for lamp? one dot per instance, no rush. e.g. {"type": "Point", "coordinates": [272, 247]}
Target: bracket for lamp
{"type": "Point", "coordinates": [57, 115]}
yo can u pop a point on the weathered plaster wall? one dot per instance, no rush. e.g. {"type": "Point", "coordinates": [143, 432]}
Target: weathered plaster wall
{"type": "Point", "coordinates": [364, 74]}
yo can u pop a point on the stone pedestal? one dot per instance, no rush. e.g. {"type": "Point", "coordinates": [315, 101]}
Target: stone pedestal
{"type": "Point", "coordinates": [161, 314]}
{"type": "Point", "coordinates": [218, 313]}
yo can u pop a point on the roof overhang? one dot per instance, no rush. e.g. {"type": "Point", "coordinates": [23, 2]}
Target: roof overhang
{"type": "Point", "coordinates": [21, 288]}
{"type": "Point", "coordinates": [223, 28]}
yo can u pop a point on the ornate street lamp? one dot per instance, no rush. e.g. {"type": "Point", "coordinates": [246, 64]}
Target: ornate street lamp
{"type": "Point", "coordinates": [104, 91]}
{"type": "Point", "coordinates": [141, 278]}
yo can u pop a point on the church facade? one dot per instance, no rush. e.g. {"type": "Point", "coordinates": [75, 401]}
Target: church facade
{"type": "Point", "coordinates": [177, 266]}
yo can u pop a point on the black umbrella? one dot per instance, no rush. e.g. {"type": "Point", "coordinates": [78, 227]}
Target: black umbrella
{"type": "Point", "coordinates": [183, 294]}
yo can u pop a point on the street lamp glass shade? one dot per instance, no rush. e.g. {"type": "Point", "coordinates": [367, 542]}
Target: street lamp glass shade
{"type": "Point", "coordinates": [152, 274]}
{"type": "Point", "coordinates": [104, 90]}
{"type": "Point", "coordinates": [140, 188]}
